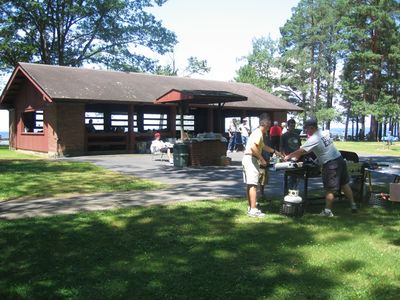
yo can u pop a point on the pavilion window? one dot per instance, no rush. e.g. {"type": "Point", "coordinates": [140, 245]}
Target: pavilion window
{"type": "Point", "coordinates": [188, 122]}
{"type": "Point", "coordinates": [119, 122]}
{"type": "Point", "coordinates": [97, 118]}
{"type": "Point", "coordinates": [135, 123]}
{"type": "Point", "coordinates": [155, 122]}
{"type": "Point", "coordinates": [33, 121]}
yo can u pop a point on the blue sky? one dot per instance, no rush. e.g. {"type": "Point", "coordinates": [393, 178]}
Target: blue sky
{"type": "Point", "coordinates": [220, 31]}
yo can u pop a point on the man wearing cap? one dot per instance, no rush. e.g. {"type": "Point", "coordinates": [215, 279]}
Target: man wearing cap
{"type": "Point", "coordinates": [334, 169]}
{"type": "Point", "coordinates": [251, 162]}
{"type": "Point", "coordinates": [157, 145]}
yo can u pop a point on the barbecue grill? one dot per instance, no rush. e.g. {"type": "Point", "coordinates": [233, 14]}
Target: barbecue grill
{"type": "Point", "coordinates": [309, 168]}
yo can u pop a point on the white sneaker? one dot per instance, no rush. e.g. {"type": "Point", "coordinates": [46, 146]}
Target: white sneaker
{"type": "Point", "coordinates": [255, 213]}
{"type": "Point", "coordinates": [257, 206]}
{"type": "Point", "coordinates": [325, 213]}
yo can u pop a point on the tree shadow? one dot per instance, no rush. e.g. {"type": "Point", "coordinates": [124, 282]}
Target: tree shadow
{"type": "Point", "coordinates": [170, 252]}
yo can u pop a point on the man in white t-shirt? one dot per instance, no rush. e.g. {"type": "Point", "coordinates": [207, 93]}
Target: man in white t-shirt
{"type": "Point", "coordinates": [334, 169]}
{"type": "Point", "coordinates": [157, 145]}
{"type": "Point", "coordinates": [244, 131]}
{"type": "Point", "coordinates": [251, 162]}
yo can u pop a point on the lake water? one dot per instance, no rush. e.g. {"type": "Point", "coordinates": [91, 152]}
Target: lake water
{"type": "Point", "coordinates": [340, 131]}
{"type": "Point", "coordinates": [4, 135]}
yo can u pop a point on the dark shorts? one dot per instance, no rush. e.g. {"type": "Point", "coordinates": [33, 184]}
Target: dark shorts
{"type": "Point", "coordinates": [165, 150]}
{"type": "Point", "coordinates": [334, 174]}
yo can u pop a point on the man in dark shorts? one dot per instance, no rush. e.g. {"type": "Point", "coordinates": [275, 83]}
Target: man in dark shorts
{"type": "Point", "coordinates": [334, 169]}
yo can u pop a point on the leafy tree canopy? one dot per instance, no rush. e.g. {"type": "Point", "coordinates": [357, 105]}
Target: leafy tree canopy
{"type": "Point", "coordinates": [261, 64]}
{"type": "Point", "coordinates": [194, 66]}
{"type": "Point", "coordinates": [73, 32]}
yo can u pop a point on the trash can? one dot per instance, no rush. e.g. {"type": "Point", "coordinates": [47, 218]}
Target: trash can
{"type": "Point", "coordinates": [181, 155]}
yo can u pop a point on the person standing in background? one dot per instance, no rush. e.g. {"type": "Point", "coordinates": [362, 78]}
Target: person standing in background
{"type": "Point", "coordinates": [90, 127]}
{"type": "Point", "coordinates": [244, 130]}
{"type": "Point", "coordinates": [233, 135]}
{"type": "Point", "coordinates": [275, 133]}
{"type": "Point", "coordinates": [290, 142]}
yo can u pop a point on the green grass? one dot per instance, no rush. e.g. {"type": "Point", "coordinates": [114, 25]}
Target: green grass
{"type": "Point", "coordinates": [202, 250]}
{"type": "Point", "coordinates": [373, 148]}
{"type": "Point", "coordinates": [27, 176]}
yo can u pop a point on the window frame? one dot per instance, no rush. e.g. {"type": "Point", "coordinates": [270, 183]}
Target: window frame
{"type": "Point", "coordinates": [36, 130]}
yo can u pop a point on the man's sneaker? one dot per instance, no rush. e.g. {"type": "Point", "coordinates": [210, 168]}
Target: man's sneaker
{"type": "Point", "coordinates": [354, 208]}
{"type": "Point", "coordinates": [325, 213]}
{"type": "Point", "coordinates": [255, 213]}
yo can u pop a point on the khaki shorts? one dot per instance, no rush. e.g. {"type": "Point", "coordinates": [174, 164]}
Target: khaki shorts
{"type": "Point", "coordinates": [263, 177]}
{"type": "Point", "coordinates": [251, 169]}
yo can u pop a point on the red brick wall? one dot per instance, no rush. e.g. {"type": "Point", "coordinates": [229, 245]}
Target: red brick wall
{"type": "Point", "coordinates": [51, 120]}
{"type": "Point", "coordinates": [12, 128]}
{"type": "Point", "coordinates": [70, 128]}
{"type": "Point", "coordinates": [206, 153]}
{"type": "Point", "coordinates": [29, 98]}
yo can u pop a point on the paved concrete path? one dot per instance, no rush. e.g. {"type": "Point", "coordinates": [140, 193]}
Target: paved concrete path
{"type": "Point", "coordinates": [184, 184]}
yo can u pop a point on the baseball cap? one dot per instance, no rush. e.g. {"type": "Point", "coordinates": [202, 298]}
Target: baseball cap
{"type": "Point", "coordinates": [312, 122]}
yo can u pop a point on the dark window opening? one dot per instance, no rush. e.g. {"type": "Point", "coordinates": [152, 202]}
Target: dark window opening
{"type": "Point", "coordinates": [119, 122]}
{"type": "Point", "coordinates": [188, 123]}
{"type": "Point", "coordinates": [135, 123]}
{"type": "Point", "coordinates": [97, 120]}
{"type": "Point", "coordinates": [155, 122]}
{"type": "Point", "coordinates": [33, 121]}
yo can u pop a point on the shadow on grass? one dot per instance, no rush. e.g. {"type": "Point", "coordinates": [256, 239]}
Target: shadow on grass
{"type": "Point", "coordinates": [169, 253]}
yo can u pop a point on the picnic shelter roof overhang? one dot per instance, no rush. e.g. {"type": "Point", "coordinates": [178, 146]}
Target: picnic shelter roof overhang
{"type": "Point", "coordinates": [199, 97]}
{"type": "Point", "coordinates": [69, 84]}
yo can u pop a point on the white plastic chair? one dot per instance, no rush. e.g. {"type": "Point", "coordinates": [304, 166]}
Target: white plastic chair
{"type": "Point", "coordinates": [156, 153]}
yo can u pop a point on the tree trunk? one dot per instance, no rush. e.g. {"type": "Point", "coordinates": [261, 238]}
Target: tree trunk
{"type": "Point", "coordinates": [347, 124]}
{"type": "Point", "coordinates": [373, 129]}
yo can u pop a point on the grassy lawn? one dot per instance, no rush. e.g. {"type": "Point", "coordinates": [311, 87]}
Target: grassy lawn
{"type": "Point", "coordinates": [196, 250]}
{"type": "Point", "coordinates": [374, 148]}
{"type": "Point", "coordinates": [202, 250]}
{"type": "Point", "coordinates": [28, 176]}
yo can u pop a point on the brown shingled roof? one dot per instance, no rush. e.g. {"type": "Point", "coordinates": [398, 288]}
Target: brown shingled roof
{"type": "Point", "coordinates": [69, 84]}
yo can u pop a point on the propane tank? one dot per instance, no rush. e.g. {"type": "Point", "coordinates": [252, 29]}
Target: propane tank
{"type": "Point", "coordinates": [293, 197]}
